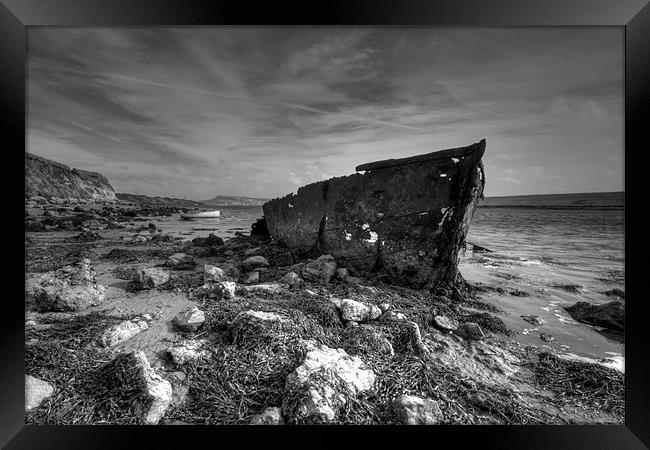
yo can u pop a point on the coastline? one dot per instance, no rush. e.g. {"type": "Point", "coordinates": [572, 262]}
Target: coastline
{"type": "Point", "coordinates": [494, 379]}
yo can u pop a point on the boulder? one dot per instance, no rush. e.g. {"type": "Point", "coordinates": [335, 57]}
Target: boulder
{"type": "Point", "coordinates": [180, 261]}
{"type": "Point", "coordinates": [445, 323]}
{"type": "Point", "coordinates": [186, 351]}
{"type": "Point", "coordinates": [384, 307]}
{"type": "Point", "coordinates": [71, 288]}
{"type": "Point", "coordinates": [358, 311]}
{"type": "Point", "coordinates": [150, 394]}
{"type": "Point", "coordinates": [323, 382]}
{"type": "Point", "coordinates": [36, 391]}
{"type": "Point", "coordinates": [470, 331]}
{"type": "Point", "coordinates": [271, 416]}
{"type": "Point", "coordinates": [291, 278]}
{"type": "Point", "coordinates": [122, 331]}
{"type": "Point", "coordinates": [320, 270]}
{"type": "Point", "coordinates": [610, 315]}
{"type": "Point", "coordinates": [152, 277]}
{"type": "Point", "coordinates": [213, 273]}
{"type": "Point", "coordinates": [254, 262]}
{"type": "Point", "coordinates": [412, 410]}
{"type": "Point", "coordinates": [189, 320]}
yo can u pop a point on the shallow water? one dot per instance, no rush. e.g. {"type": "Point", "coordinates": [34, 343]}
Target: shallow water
{"type": "Point", "coordinates": [233, 219]}
{"type": "Point", "coordinates": [558, 257]}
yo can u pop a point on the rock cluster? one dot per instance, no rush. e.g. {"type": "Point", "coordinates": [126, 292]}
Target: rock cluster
{"type": "Point", "coordinates": [324, 381]}
{"type": "Point", "coordinates": [71, 288]}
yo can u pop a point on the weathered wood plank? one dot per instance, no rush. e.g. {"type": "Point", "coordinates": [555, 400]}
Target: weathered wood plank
{"type": "Point", "coordinates": [440, 154]}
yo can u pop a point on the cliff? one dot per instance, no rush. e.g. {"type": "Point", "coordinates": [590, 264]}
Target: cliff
{"type": "Point", "coordinates": [46, 178]}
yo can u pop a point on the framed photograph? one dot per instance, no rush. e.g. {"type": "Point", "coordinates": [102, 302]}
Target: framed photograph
{"type": "Point", "coordinates": [368, 214]}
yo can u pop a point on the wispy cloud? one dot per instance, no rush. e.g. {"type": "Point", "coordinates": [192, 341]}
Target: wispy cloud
{"type": "Point", "coordinates": [197, 112]}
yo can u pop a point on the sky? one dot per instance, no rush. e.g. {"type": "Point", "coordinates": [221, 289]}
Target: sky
{"type": "Point", "coordinates": [195, 112]}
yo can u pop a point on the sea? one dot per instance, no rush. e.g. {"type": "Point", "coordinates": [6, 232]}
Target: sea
{"type": "Point", "coordinates": [546, 252]}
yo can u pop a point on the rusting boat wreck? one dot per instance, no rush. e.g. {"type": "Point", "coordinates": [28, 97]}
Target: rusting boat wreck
{"type": "Point", "coordinates": [406, 218]}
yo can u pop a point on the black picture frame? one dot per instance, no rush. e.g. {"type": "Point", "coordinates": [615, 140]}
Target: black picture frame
{"type": "Point", "coordinates": [633, 15]}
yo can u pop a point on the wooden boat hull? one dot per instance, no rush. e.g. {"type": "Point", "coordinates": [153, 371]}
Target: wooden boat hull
{"type": "Point", "coordinates": [406, 218]}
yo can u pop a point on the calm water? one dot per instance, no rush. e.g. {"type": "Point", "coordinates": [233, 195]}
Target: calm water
{"type": "Point", "coordinates": [538, 251]}
{"type": "Point", "coordinates": [542, 252]}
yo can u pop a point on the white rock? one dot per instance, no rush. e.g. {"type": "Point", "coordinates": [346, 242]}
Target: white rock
{"type": "Point", "coordinates": [384, 307]}
{"type": "Point", "coordinates": [152, 277]}
{"type": "Point", "coordinates": [226, 289]}
{"type": "Point", "coordinates": [291, 278]}
{"type": "Point", "coordinates": [270, 416]}
{"type": "Point", "coordinates": [262, 287]}
{"type": "Point", "coordinates": [36, 391]}
{"type": "Point", "coordinates": [320, 375]}
{"type": "Point", "coordinates": [190, 319]}
{"type": "Point", "coordinates": [260, 315]}
{"type": "Point", "coordinates": [412, 410]}
{"type": "Point", "coordinates": [185, 351]}
{"type": "Point", "coordinates": [358, 311]}
{"type": "Point", "coordinates": [444, 323]}
{"type": "Point", "coordinates": [213, 273]}
{"type": "Point", "coordinates": [71, 288]}
{"type": "Point", "coordinates": [122, 331]}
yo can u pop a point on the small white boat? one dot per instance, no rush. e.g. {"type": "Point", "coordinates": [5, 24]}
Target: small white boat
{"type": "Point", "coordinates": [201, 215]}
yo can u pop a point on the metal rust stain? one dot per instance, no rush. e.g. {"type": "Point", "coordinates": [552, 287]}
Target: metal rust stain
{"type": "Point", "coordinates": [406, 218]}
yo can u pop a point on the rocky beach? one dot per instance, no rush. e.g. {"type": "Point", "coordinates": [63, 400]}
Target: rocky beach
{"type": "Point", "coordinates": [127, 324]}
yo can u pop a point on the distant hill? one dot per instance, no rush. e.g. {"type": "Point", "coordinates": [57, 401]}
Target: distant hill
{"type": "Point", "coordinates": [48, 179]}
{"type": "Point", "coordinates": [160, 201]}
{"type": "Point", "coordinates": [226, 200]}
{"type": "Point", "coordinates": [589, 200]}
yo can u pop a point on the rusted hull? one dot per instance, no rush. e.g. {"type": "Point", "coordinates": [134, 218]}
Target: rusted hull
{"type": "Point", "coordinates": [406, 218]}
